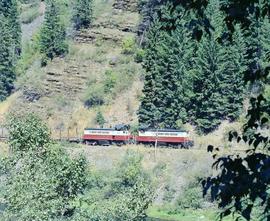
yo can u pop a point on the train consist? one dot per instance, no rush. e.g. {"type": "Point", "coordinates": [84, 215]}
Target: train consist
{"type": "Point", "coordinates": [161, 137]}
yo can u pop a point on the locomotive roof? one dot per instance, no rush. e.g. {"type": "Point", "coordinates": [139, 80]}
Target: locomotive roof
{"type": "Point", "coordinates": [165, 130]}
{"type": "Point", "coordinates": [104, 129]}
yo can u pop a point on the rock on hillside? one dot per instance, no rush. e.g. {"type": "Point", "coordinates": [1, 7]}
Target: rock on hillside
{"type": "Point", "coordinates": [126, 5]}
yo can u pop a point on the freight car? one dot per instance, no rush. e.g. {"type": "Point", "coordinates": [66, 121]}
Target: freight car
{"type": "Point", "coordinates": [117, 136]}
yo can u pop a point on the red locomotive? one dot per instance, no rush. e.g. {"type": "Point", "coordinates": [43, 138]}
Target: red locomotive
{"type": "Point", "coordinates": [161, 137]}
{"type": "Point", "coordinates": [165, 137]}
{"type": "Point", "coordinates": [94, 136]}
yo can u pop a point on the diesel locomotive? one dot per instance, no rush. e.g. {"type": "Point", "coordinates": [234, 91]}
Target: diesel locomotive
{"type": "Point", "coordinates": [116, 136]}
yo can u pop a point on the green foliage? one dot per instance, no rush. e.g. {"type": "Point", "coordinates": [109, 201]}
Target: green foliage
{"type": "Point", "coordinates": [95, 96]}
{"type": "Point", "coordinates": [191, 198]}
{"type": "Point", "coordinates": [30, 51]}
{"type": "Point", "coordinates": [7, 63]}
{"type": "Point", "coordinates": [125, 196]}
{"type": "Point", "coordinates": [110, 81]}
{"type": "Point", "coordinates": [100, 120]}
{"type": "Point", "coordinates": [241, 184]}
{"type": "Point", "coordinates": [192, 80]}
{"type": "Point", "coordinates": [9, 10]}
{"type": "Point", "coordinates": [139, 56]}
{"type": "Point", "coordinates": [128, 45]}
{"type": "Point", "coordinates": [53, 35]}
{"type": "Point", "coordinates": [168, 84]}
{"type": "Point", "coordinates": [219, 73]}
{"type": "Point", "coordinates": [83, 14]}
{"type": "Point", "coordinates": [27, 133]}
{"type": "Point", "coordinates": [10, 45]}
{"type": "Point", "coordinates": [42, 183]}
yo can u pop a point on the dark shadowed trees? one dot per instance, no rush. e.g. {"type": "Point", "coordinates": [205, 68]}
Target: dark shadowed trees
{"type": "Point", "coordinates": [82, 14]}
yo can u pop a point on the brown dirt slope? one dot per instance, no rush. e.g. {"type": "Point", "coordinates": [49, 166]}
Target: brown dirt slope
{"type": "Point", "coordinates": [57, 91]}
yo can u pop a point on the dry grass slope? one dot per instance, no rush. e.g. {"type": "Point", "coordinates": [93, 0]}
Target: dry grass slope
{"type": "Point", "coordinates": [57, 91]}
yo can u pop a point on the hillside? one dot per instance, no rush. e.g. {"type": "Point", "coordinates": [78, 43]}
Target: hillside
{"type": "Point", "coordinates": [59, 91]}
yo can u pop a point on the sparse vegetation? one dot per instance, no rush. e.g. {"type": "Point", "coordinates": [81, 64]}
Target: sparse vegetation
{"type": "Point", "coordinates": [30, 14]}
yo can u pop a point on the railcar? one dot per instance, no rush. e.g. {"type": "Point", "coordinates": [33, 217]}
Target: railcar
{"type": "Point", "coordinates": [164, 137]}
{"type": "Point", "coordinates": [94, 136]}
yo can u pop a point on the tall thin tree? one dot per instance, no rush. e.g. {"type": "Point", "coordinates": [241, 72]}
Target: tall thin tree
{"type": "Point", "coordinates": [53, 34]}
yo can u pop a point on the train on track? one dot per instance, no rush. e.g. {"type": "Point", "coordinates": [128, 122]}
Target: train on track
{"type": "Point", "coordinates": [122, 135]}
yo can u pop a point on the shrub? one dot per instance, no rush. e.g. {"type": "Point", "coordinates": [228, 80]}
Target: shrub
{"type": "Point", "coordinates": [139, 56]}
{"type": "Point", "coordinates": [128, 45]}
{"type": "Point", "coordinates": [41, 180]}
{"type": "Point", "coordinates": [94, 96]}
{"type": "Point", "coordinates": [100, 120]}
{"type": "Point", "coordinates": [110, 81]}
{"type": "Point", "coordinates": [27, 133]}
{"type": "Point", "coordinates": [125, 196]}
{"type": "Point", "coordinates": [191, 198]}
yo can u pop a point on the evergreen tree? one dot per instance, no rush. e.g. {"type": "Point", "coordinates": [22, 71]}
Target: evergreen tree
{"type": "Point", "coordinates": [210, 66]}
{"type": "Point", "coordinates": [232, 87]}
{"type": "Point", "coordinates": [83, 14]}
{"type": "Point", "coordinates": [9, 9]}
{"type": "Point", "coordinates": [53, 35]}
{"type": "Point", "coordinates": [207, 101]}
{"type": "Point", "coordinates": [258, 46]}
{"type": "Point", "coordinates": [167, 81]}
{"type": "Point", "coordinates": [147, 112]}
{"type": "Point", "coordinates": [100, 120]}
{"type": "Point", "coordinates": [7, 68]}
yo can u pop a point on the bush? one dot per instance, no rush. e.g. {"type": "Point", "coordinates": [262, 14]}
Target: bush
{"type": "Point", "coordinates": [125, 196]}
{"type": "Point", "coordinates": [139, 56]}
{"type": "Point", "coordinates": [41, 180]}
{"type": "Point", "coordinates": [27, 133]}
{"type": "Point", "coordinates": [100, 120]}
{"type": "Point", "coordinates": [110, 81]}
{"type": "Point", "coordinates": [128, 45]}
{"type": "Point", "coordinates": [94, 96]}
{"type": "Point", "coordinates": [191, 198]}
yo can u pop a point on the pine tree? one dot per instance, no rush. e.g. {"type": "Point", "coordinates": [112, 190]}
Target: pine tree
{"type": "Point", "coordinates": [7, 68]}
{"type": "Point", "coordinates": [148, 114]}
{"type": "Point", "coordinates": [83, 14]}
{"type": "Point", "coordinates": [9, 9]}
{"type": "Point", "coordinates": [221, 64]}
{"type": "Point", "coordinates": [210, 59]}
{"type": "Point", "coordinates": [232, 88]}
{"type": "Point", "coordinates": [167, 82]}
{"type": "Point", "coordinates": [258, 42]}
{"type": "Point", "coordinates": [100, 120]}
{"type": "Point", "coordinates": [53, 35]}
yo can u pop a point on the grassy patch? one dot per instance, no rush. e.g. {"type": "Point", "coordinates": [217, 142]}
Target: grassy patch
{"type": "Point", "coordinates": [30, 14]}
{"type": "Point", "coordinates": [185, 215]}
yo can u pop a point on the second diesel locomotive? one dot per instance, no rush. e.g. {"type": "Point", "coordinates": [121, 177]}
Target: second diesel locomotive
{"type": "Point", "coordinates": [161, 137]}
